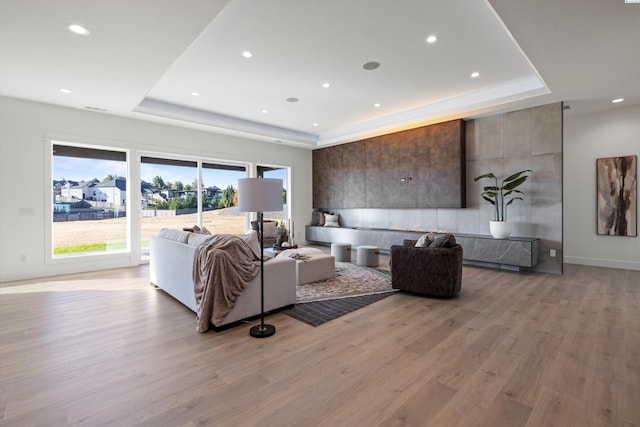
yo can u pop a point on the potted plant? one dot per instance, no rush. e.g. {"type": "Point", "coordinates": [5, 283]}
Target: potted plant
{"type": "Point", "coordinates": [281, 233]}
{"type": "Point", "coordinates": [501, 197]}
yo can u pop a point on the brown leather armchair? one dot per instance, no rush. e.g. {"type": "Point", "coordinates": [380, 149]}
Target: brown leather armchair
{"type": "Point", "coordinates": [428, 271]}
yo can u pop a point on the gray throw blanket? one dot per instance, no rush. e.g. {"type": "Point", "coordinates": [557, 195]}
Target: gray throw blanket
{"type": "Point", "coordinates": [223, 267]}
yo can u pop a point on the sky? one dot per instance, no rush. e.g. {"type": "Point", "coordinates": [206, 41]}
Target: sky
{"type": "Point", "coordinates": [78, 169]}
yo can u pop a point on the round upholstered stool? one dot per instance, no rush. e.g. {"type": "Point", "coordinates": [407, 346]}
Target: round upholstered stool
{"type": "Point", "coordinates": [341, 251]}
{"type": "Point", "coordinates": [368, 256]}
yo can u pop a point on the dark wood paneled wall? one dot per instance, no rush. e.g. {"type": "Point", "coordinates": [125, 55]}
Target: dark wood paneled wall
{"type": "Point", "coordinates": [417, 168]}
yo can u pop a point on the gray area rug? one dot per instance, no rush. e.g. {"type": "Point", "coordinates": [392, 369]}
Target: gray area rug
{"type": "Point", "coordinates": [351, 280]}
{"type": "Point", "coordinates": [319, 312]}
{"type": "Point", "coordinates": [353, 287]}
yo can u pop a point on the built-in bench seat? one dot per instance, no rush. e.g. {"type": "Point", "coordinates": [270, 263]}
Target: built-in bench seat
{"type": "Point", "coordinates": [511, 253]}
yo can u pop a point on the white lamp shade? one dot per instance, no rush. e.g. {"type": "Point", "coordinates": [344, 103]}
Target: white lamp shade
{"type": "Point", "coordinates": [259, 194]}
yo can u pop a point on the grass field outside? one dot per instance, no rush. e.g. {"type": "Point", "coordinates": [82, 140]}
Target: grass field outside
{"type": "Point", "coordinates": [76, 237]}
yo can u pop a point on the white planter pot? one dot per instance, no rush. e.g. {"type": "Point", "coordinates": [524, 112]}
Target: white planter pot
{"type": "Point", "coordinates": [500, 229]}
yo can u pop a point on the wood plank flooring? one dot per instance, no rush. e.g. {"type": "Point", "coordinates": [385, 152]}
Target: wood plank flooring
{"type": "Point", "coordinates": [514, 349]}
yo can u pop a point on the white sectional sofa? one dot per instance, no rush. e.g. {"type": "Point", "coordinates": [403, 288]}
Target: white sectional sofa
{"type": "Point", "coordinates": [171, 266]}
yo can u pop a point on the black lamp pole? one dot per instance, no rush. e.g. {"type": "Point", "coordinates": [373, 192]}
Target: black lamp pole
{"type": "Point", "coordinates": [262, 330]}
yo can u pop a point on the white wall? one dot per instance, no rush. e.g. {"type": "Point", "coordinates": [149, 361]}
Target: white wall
{"type": "Point", "coordinates": [25, 129]}
{"type": "Point", "coordinates": [587, 138]}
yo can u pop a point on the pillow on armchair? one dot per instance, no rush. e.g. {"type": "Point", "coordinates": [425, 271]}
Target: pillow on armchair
{"type": "Point", "coordinates": [425, 240]}
{"type": "Point", "coordinates": [269, 231]}
{"type": "Point", "coordinates": [444, 241]}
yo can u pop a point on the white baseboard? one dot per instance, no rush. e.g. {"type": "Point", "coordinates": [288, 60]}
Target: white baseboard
{"type": "Point", "coordinates": [599, 262]}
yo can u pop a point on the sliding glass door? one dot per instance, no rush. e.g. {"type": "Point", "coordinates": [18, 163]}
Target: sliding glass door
{"type": "Point", "coordinates": [173, 196]}
{"type": "Point", "coordinates": [276, 221]}
{"type": "Point", "coordinates": [220, 203]}
{"type": "Point", "coordinates": [169, 196]}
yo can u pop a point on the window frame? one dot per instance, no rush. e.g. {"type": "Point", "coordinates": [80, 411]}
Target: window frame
{"type": "Point", "coordinates": [50, 257]}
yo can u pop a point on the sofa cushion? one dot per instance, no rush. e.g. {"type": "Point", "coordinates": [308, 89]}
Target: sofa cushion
{"type": "Point", "coordinates": [176, 235]}
{"type": "Point", "coordinates": [196, 239]}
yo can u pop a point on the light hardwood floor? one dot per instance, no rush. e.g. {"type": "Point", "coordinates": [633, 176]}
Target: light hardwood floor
{"type": "Point", "coordinates": [514, 349]}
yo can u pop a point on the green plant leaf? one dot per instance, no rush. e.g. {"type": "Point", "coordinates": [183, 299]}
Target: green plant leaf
{"type": "Point", "coordinates": [515, 198]}
{"type": "Point", "coordinates": [493, 202]}
{"type": "Point", "coordinates": [486, 175]}
{"type": "Point", "coordinates": [513, 184]}
{"type": "Point", "coordinates": [515, 175]}
{"type": "Point", "coordinates": [512, 191]}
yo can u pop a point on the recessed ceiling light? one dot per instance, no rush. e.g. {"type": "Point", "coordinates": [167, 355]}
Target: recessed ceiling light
{"type": "Point", "coordinates": [475, 74]}
{"type": "Point", "coordinates": [315, 124]}
{"type": "Point", "coordinates": [325, 85]}
{"type": "Point", "coordinates": [292, 99]}
{"type": "Point", "coordinates": [247, 54]}
{"type": "Point", "coordinates": [377, 104]}
{"type": "Point", "coordinates": [78, 29]}
{"type": "Point", "coordinates": [371, 65]}
{"type": "Point", "coordinates": [195, 94]}
{"type": "Point", "coordinates": [63, 90]}
{"type": "Point", "coordinates": [265, 111]}
{"type": "Point", "coordinates": [615, 101]}
{"type": "Point", "coordinates": [431, 39]}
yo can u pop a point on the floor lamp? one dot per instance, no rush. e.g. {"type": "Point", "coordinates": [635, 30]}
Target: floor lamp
{"type": "Point", "coordinates": [260, 195]}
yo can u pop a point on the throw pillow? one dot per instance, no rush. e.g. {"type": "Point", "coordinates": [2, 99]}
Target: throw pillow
{"type": "Point", "coordinates": [444, 241]}
{"type": "Point", "coordinates": [270, 228]}
{"type": "Point", "coordinates": [332, 220]}
{"type": "Point", "coordinates": [317, 217]}
{"type": "Point", "coordinates": [196, 229]}
{"type": "Point", "coordinates": [425, 240]}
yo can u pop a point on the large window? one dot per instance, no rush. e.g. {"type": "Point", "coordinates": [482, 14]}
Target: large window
{"type": "Point", "coordinates": [171, 196]}
{"type": "Point", "coordinates": [89, 191]}
{"type": "Point", "coordinates": [220, 190]}
{"type": "Point", "coordinates": [92, 197]}
{"type": "Point", "coordinates": [281, 217]}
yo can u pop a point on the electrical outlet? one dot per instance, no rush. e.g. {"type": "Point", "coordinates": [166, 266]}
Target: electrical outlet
{"type": "Point", "coordinates": [552, 253]}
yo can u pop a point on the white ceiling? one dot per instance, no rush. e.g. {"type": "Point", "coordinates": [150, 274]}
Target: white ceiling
{"type": "Point", "coordinates": [145, 58]}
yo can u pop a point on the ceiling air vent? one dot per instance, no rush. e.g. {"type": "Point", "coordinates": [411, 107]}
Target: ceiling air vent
{"type": "Point", "coordinates": [95, 108]}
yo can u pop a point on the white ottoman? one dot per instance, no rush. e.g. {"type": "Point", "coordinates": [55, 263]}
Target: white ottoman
{"type": "Point", "coordinates": [341, 251]}
{"type": "Point", "coordinates": [368, 256]}
{"type": "Point", "coordinates": [313, 265]}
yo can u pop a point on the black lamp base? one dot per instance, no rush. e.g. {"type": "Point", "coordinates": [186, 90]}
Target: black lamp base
{"type": "Point", "coordinates": [262, 331]}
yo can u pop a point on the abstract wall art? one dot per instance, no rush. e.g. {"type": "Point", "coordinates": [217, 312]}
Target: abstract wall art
{"type": "Point", "coordinates": [617, 196]}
